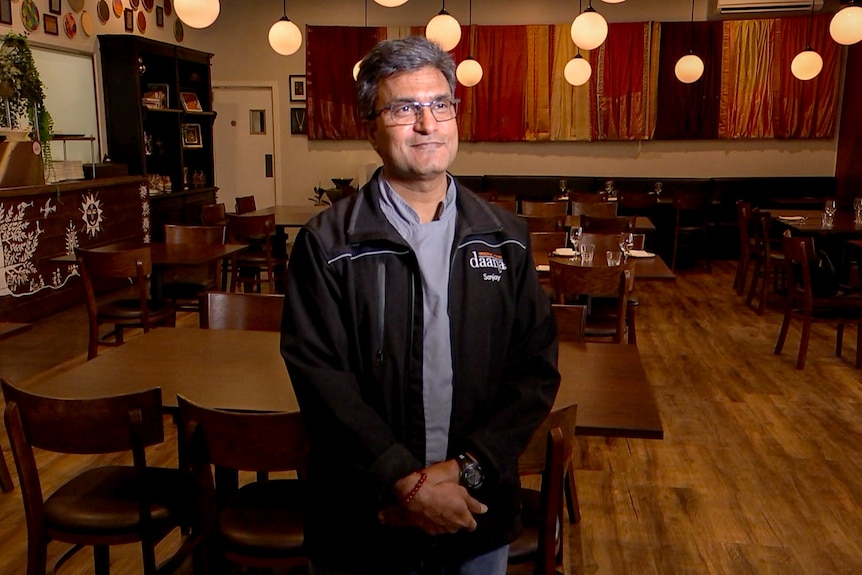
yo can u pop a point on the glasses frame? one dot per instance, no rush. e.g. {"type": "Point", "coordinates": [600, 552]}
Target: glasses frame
{"type": "Point", "coordinates": [417, 110]}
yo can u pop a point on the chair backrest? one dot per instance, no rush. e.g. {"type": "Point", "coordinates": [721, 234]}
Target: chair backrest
{"type": "Point", "coordinates": [175, 234]}
{"type": "Point", "coordinates": [568, 282]}
{"type": "Point", "coordinates": [586, 198]}
{"type": "Point", "coordinates": [692, 210]}
{"type": "Point", "coordinates": [571, 322]}
{"type": "Point", "coordinates": [242, 229]}
{"type": "Point", "coordinates": [246, 311]}
{"type": "Point", "coordinates": [213, 215]}
{"type": "Point", "coordinates": [510, 205]}
{"type": "Point", "coordinates": [106, 265]}
{"type": "Point", "coordinates": [543, 243]}
{"type": "Point", "coordinates": [612, 225]}
{"type": "Point", "coordinates": [545, 223]}
{"type": "Point", "coordinates": [743, 220]}
{"type": "Point", "coordinates": [245, 204]}
{"type": "Point", "coordinates": [603, 243]}
{"type": "Point", "coordinates": [596, 209]}
{"type": "Point", "coordinates": [246, 441]}
{"type": "Point", "coordinates": [799, 259]}
{"type": "Point", "coordinates": [534, 208]}
{"type": "Point", "coordinates": [637, 201]}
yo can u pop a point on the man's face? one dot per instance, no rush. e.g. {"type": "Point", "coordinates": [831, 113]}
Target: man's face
{"type": "Point", "coordinates": [420, 151]}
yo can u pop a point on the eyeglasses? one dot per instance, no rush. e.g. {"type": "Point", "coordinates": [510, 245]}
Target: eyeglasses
{"type": "Point", "coordinates": [407, 113]}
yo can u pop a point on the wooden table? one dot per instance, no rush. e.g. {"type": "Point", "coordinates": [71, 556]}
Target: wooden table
{"type": "Point", "coordinates": [244, 370]}
{"type": "Point", "coordinates": [290, 216]}
{"type": "Point", "coordinates": [643, 268]}
{"type": "Point", "coordinates": [844, 223]}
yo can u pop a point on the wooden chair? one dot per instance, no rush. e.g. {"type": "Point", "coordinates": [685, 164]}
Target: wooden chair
{"type": "Point", "coordinates": [744, 222]}
{"type": "Point", "coordinates": [602, 225]}
{"type": "Point", "coordinates": [140, 311]}
{"type": "Point", "coordinates": [245, 204]}
{"type": "Point", "coordinates": [509, 204]}
{"type": "Point", "coordinates": [539, 547]}
{"type": "Point", "coordinates": [768, 257]}
{"type": "Point", "coordinates": [571, 322]}
{"type": "Point", "coordinates": [261, 257]}
{"type": "Point", "coordinates": [604, 309]}
{"type": "Point", "coordinates": [691, 226]}
{"type": "Point", "coordinates": [182, 285]}
{"type": "Point", "coordinates": [543, 243]}
{"type": "Point", "coordinates": [260, 524]}
{"type": "Point", "coordinates": [213, 215]}
{"type": "Point", "coordinates": [545, 223]}
{"type": "Point", "coordinates": [595, 209]}
{"type": "Point", "coordinates": [803, 305]}
{"type": "Point", "coordinates": [587, 198]}
{"type": "Point", "coordinates": [543, 209]}
{"type": "Point", "coordinates": [636, 203]}
{"type": "Point", "coordinates": [574, 284]}
{"type": "Point", "coordinates": [246, 311]}
{"type": "Point", "coordinates": [105, 505]}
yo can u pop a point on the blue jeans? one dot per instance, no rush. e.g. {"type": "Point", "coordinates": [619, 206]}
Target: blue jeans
{"type": "Point", "coordinates": [491, 563]}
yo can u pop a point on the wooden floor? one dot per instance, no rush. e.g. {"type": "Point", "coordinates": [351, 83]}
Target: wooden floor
{"type": "Point", "coordinates": [760, 470]}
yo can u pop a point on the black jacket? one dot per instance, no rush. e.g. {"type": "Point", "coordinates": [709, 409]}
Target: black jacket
{"type": "Point", "coordinates": [352, 342]}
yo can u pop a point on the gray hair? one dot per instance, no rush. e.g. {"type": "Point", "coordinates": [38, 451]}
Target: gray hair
{"type": "Point", "coordinates": [390, 57]}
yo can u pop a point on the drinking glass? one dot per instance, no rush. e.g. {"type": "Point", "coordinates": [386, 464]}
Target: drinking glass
{"type": "Point", "coordinates": [627, 242]}
{"type": "Point", "coordinates": [564, 185]}
{"type": "Point", "coordinates": [857, 207]}
{"type": "Point", "coordinates": [614, 258]}
{"type": "Point", "coordinates": [609, 188]}
{"type": "Point", "coordinates": [829, 212]}
{"type": "Point", "coordinates": [587, 253]}
{"type": "Point", "coordinates": [658, 187]}
{"type": "Point", "coordinates": [575, 237]}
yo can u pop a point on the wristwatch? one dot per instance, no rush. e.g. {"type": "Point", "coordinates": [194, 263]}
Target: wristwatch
{"type": "Point", "coordinates": [471, 475]}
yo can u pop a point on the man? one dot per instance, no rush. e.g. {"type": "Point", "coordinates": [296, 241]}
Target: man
{"type": "Point", "coordinates": [420, 345]}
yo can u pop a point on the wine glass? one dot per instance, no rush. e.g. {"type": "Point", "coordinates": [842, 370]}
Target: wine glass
{"type": "Point", "coordinates": [575, 233]}
{"type": "Point", "coordinates": [658, 187]}
{"type": "Point", "coordinates": [609, 188]}
{"type": "Point", "coordinates": [830, 208]}
{"type": "Point", "coordinates": [857, 207]}
{"type": "Point", "coordinates": [627, 242]}
{"type": "Point", "coordinates": [564, 185]}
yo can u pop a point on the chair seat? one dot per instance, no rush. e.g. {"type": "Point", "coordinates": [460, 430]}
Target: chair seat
{"type": "Point", "coordinates": [105, 501]}
{"type": "Point", "coordinates": [262, 519]}
{"type": "Point", "coordinates": [525, 546]}
{"type": "Point", "coordinates": [130, 309]}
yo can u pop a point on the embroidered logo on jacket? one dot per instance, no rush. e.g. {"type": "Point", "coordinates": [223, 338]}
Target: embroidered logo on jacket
{"type": "Point", "coordinates": [490, 261]}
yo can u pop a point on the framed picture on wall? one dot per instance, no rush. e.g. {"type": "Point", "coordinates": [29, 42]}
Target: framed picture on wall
{"type": "Point", "coordinates": [192, 136]}
{"type": "Point", "coordinates": [55, 6]}
{"type": "Point", "coordinates": [297, 88]}
{"type": "Point", "coordinates": [298, 123]}
{"type": "Point", "coordinates": [129, 20]}
{"type": "Point", "coordinates": [51, 25]}
{"type": "Point", "coordinates": [160, 17]}
{"type": "Point", "coordinates": [6, 12]}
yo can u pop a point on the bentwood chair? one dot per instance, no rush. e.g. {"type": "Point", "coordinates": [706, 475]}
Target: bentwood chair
{"type": "Point", "coordinates": [244, 311]}
{"type": "Point", "coordinates": [577, 284]}
{"type": "Point", "coordinates": [259, 524]}
{"type": "Point", "coordinates": [802, 304]}
{"type": "Point", "coordinates": [264, 261]}
{"type": "Point", "coordinates": [245, 204]}
{"type": "Point", "coordinates": [539, 548]}
{"type": "Point", "coordinates": [103, 505]}
{"type": "Point", "coordinates": [140, 311]}
{"type": "Point", "coordinates": [182, 285]}
{"type": "Point", "coordinates": [603, 309]}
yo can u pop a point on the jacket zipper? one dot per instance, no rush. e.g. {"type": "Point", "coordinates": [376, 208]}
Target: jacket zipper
{"type": "Point", "coordinates": [381, 310]}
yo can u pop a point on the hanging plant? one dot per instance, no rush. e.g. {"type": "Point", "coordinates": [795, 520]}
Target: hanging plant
{"type": "Point", "coordinates": [22, 93]}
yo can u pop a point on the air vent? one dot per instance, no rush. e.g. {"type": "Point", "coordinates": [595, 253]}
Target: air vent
{"type": "Point", "coordinates": [761, 6]}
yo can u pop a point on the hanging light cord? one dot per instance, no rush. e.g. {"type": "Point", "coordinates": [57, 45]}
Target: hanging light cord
{"type": "Point", "coordinates": [810, 22]}
{"type": "Point", "coordinates": [284, 8]}
{"type": "Point", "coordinates": [691, 31]}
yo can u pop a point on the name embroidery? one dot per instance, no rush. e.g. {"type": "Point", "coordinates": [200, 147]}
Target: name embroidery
{"type": "Point", "coordinates": [488, 260]}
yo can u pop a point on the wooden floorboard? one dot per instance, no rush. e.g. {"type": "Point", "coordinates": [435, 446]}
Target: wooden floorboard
{"type": "Point", "coordinates": [760, 470]}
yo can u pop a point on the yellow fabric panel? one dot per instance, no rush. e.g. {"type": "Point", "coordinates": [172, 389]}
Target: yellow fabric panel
{"type": "Point", "coordinates": [572, 108]}
{"type": "Point", "coordinates": [746, 79]}
{"type": "Point", "coordinates": [538, 101]}
{"type": "Point", "coordinates": [652, 83]}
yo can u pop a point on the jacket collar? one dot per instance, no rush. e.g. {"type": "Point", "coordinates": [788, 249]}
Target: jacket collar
{"type": "Point", "coordinates": [366, 221]}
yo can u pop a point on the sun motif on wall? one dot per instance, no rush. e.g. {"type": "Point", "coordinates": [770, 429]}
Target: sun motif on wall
{"type": "Point", "coordinates": [91, 208]}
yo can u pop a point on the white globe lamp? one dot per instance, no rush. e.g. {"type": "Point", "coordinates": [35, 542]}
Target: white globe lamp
{"type": "Point", "coordinates": [444, 30]}
{"type": "Point", "coordinates": [390, 3]}
{"type": "Point", "coordinates": [806, 65]}
{"type": "Point", "coordinates": [577, 71]}
{"type": "Point", "coordinates": [285, 37]}
{"type": "Point", "coordinates": [846, 26]}
{"type": "Point", "coordinates": [589, 29]}
{"type": "Point", "coordinates": [613, 1]}
{"type": "Point", "coordinates": [197, 13]}
{"type": "Point", "coordinates": [356, 69]}
{"type": "Point", "coordinates": [688, 69]}
{"type": "Point", "coordinates": [469, 72]}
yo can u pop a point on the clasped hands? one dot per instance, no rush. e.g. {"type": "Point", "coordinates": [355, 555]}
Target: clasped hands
{"type": "Point", "coordinates": [441, 505]}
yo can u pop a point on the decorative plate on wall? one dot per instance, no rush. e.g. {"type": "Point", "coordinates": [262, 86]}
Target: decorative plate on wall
{"type": "Point", "coordinates": [118, 8]}
{"type": "Point", "coordinates": [76, 5]}
{"type": "Point", "coordinates": [135, 4]}
{"type": "Point", "coordinates": [30, 15]}
{"type": "Point", "coordinates": [169, 7]}
{"type": "Point", "coordinates": [69, 25]}
{"type": "Point", "coordinates": [103, 11]}
{"type": "Point", "coordinates": [142, 22]}
{"type": "Point", "coordinates": [179, 31]}
{"type": "Point", "coordinates": [148, 5]}
{"type": "Point", "coordinates": [87, 23]}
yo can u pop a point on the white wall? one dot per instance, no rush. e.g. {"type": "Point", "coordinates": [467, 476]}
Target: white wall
{"type": "Point", "coordinates": [239, 41]}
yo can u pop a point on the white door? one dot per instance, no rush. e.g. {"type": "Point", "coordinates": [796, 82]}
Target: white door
{"type": "Point", "coordinates": [244, 145]}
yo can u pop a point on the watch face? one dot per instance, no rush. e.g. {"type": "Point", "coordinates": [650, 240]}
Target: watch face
{"type": "Point", "coordinates": [473, 476]}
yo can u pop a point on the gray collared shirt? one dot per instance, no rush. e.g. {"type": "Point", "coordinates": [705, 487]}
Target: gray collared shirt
{"type": "Point", "coordinates": [432, 244]}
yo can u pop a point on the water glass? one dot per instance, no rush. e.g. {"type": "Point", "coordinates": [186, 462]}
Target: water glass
{"type": "Point", "coordinates": [575, 237]}
{"type": "Point", "coordinates": [564, 185]}
{"type": "Point", "coordinates": [587, 253]}
{"type": "Point", "coordinates": [829, 213]}
{"type": "Point", "coordinates": [658, 188]}
{"type": "Point", "coordinates": [614, 258]}
{"type": "Point", "coordinates": [627, 242]}
{"type": "Point", "coordinates": [857, 207]}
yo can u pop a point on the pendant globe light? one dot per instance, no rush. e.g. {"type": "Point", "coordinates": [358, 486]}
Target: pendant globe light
{"type": "Point", "coordinates": [589, 29]}
{"type": "Point", "coordinates": [390, 3]}
{"type": "Point", "coordinates": [285, 36]}
{"type": "Point", "coordinates": [443, 30]}
{"type": "Point", "coordinates": [613, 1]}
{"type": "Point", "coordinates": [577, 71]}
{"type": "Point", "coordinates": [807, 64]}
{"type": "Point", "coordinates": [197, 13]}
{"type": "Point", "coordinates": [689, 68]}
{"type": "Point", "coordinates": [469, 71]}
{"type": "Point", "coordinates": [846, 26]}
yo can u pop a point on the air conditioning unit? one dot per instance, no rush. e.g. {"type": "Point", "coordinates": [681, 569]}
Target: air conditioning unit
{"type": "Point", "coordinates": [761, 6]}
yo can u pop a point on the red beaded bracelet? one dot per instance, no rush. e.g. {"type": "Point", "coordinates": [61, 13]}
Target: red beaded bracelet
{"type": "Point", "coordinates": [415, 490]}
